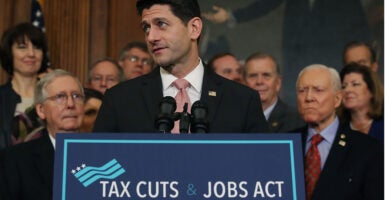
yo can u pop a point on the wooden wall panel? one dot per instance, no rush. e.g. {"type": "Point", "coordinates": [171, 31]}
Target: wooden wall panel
{"type": "Point", "coordinates": [124, 25]}
{"type": "Point", "coordinates": [67, 25]}
{"type": "Point", "coordinates": [99, 30]}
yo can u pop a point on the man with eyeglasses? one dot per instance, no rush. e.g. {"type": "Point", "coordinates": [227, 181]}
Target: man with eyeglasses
{"type": "Point", "coordinates": [135, 60]}
{"type": "Point", "coordinates": [26, 170]}
{"type": "Point", "coordinates": [104, 74]}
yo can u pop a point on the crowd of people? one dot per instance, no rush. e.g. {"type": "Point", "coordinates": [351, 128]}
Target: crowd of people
{"type": "Point", "coordinates": [345, 109]}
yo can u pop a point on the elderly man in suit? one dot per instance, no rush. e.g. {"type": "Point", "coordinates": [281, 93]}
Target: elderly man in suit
{"type": "Point", "coordinates": [262, 73]}
{"type": "Point", "coordinates": [26, 170]}
{"type": "Point", "coordinates": [339, 163]}
{"type": "Point", "coordinates": [172, 30]}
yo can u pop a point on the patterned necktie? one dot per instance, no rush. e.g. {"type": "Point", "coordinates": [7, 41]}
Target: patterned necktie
{"type": "Point", "coordinates": [181, 98]}
{"type": "Point", "coordinates": [312, 165]}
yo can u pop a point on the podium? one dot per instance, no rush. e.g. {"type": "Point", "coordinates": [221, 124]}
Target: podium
{"type": "Point", "coordinates": [183, 167]}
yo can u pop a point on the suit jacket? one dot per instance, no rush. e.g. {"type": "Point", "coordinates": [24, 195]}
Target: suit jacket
{"type": "Point", "coordinates": [26, 170]}
{"type": "Point", "coordinates": [354, 168]}
{"type": "Point", "coordinates": [377, 129]}
{"type": "Point", "coordinates": [8, 101]}
{"type": "Point", "coordinates": [133, 106]}
{"type": "Point", "coordinates": [284, 118]}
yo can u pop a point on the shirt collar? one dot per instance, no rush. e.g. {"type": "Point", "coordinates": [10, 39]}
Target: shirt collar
{"type": "Point", "coordinates": [195, 77]}
{"type": "Point", "coordinates": [267, 112]}
{"type": "Point", "coordinates": [328, 133]}
{"type": "Point", "coordinates": [53, 140]}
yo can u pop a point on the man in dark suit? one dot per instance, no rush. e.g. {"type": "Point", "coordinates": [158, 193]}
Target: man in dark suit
{"type": "Point", "coordinates": [226, 65]}
{"type": "Point", "coordinates": [339, 163]}
{"type": "Point", "coordinates": [172, 31]}
{"type": "Point", "coordinates": [26, 170]}
{"type": "Point", "coordinates": [361, 53]}
{"type": "Point", "coordinates": [262, 73]}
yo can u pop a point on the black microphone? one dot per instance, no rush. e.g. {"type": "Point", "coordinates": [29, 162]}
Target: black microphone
{"type": "Point", "coordinates": [199, 121]}
{"type": "Point", "coordinates": [165, 121]}
{"type": "Point", "coordinates": [184, 123]}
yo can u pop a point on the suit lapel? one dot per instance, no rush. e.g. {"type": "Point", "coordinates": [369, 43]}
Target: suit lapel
{"type": "Point", "coordinates": [336, 157]}
{"type": "Point", "coordinates": [44, 160]}
{"type": "Point", "coordinates": [211, 92]}
{"type": "Point", "coordinates": [275, 115]}
{"type": "Point", "coordinates": [152, 91]}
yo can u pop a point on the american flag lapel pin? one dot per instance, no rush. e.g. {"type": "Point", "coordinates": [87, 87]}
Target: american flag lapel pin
{"type": "Point", "coordinates": [212, 93]}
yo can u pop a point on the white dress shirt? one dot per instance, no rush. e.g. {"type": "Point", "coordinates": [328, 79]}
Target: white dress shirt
{"type": "Point", "coordinates": [195, 78]}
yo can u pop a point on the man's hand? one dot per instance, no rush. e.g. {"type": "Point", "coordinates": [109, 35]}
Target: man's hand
{"type": "Point", "coordinates": [219, 16]}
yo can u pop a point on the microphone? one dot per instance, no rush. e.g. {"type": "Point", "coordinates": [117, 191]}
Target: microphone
{"type": "Point", "coordinates": [165, 120]}
{"type": "Point", "coordinates": [184, 123]}
{"type": "Point", "coordinates": [199, 121]}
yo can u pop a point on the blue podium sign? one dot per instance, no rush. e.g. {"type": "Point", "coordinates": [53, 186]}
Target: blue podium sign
{"type": "Point", "coordinates": [183, 167]}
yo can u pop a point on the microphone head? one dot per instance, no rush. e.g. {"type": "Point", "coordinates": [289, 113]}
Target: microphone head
{"type": "Point", "coordinates": [199, 110]}
{"type": "Point", "coordinates": [199, 121]}
{"type": "Point", "coordinates": [165, 120]}
{"type": "Point", "coordinates": [167, 105]}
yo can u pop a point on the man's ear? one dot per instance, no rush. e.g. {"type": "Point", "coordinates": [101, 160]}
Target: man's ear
{"type": "Point", "coordinates": [120, 62]}
{"type": "Point", "coordinates": [40, 110]}
{"type": "Point", "coordinates": [279, 84]}
{"type": "Point", "coordinates": [338, 99]}
{"type": "Point", "coordinates": [375, 67]}
{"type": "Point", "coordinates": [195, 25]}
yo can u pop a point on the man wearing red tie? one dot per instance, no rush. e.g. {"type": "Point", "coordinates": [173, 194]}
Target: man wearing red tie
{"type": "Point", "coordinates": [339, 163]}
{"type": "Point", "coordinates": [172, 29]}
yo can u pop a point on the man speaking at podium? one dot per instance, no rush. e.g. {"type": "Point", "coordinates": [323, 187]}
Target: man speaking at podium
{"type": "Point", "coordinates": [172, 30]}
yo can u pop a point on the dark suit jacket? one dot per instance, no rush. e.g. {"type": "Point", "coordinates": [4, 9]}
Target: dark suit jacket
{"type": "Point", "coordinates": [377, 129]}
{"type": "Point", "coordinates": [354, 169]}
{"type": "Point", "coordinates": [8, 101]}
{"type": "Point", "coordinates": [284, 118]}
{"type": "Point", "coordinates": [133, 106]}
{"type": "Point", "coordinates": [26, 170]}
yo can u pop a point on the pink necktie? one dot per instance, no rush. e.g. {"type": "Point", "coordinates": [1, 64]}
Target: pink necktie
{"type": "Point", "coordinates": [181, 98]}
{"type": "Point", "coordinates": [312, 165]}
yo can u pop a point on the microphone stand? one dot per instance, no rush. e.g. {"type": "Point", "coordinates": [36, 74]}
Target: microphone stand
{"type": "Point", "coordinates": [184, 123]}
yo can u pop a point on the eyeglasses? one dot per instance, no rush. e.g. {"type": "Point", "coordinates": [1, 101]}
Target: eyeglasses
{"type": "Point", "coordinates": [144, 61]}
{"type": "Point", "coordinates": [62, 98]}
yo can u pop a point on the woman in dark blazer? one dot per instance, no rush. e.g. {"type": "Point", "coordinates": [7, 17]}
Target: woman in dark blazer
{"type": "Point", "coordinates": [23, 55]}
{"type": "Point", "coordinates": [363, 100]}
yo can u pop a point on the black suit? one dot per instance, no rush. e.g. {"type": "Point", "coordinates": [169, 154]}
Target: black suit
{"type": "Point", "coordinates": [354, 168]}
{"type": "Point", "coordinates": [8, 102]}
{"type": "Point", "coordinates": [133, 106]}
{"type": "Point", "coordinates": [284, 118]}
{"type": "Point", "coordinates": [26, 170]}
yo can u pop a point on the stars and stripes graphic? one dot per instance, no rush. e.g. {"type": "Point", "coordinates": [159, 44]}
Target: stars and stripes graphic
{"type": "Point", "coordinates": [37, 18]}
{"type": "Point", "coordinates": [88, 175]}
